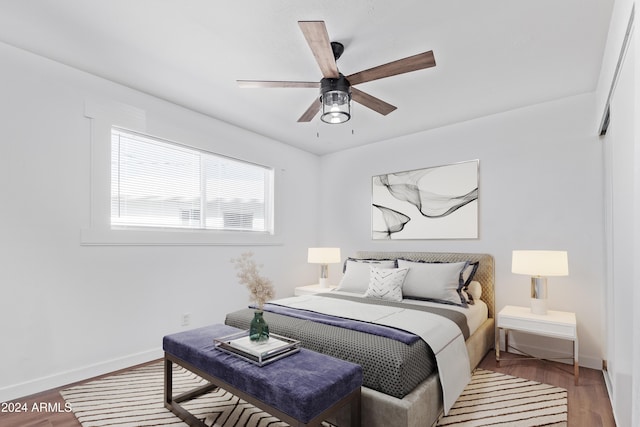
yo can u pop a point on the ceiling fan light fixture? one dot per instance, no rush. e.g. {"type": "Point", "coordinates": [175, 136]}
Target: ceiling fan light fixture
{"type": "Point", "coordinates": [335, 89]}
{"type": "Point", "coordinates": [335, 107]}
{"type": "Point", "coordinates": [335, 96]}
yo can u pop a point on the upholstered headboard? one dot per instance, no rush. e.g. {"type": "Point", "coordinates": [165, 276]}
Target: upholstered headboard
{"type": "Point", "coordinates": [485, 274]}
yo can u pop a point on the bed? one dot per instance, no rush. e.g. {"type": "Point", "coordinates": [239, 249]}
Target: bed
{"type": "Point", "coordinates": [402, 380]}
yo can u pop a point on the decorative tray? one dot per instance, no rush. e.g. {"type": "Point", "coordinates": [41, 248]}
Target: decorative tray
{"type": "Point", "coordinates": [259, 353]}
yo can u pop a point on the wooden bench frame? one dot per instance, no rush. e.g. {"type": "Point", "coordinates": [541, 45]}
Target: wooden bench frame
{"type": "Point", "coordinates": [173, 403]}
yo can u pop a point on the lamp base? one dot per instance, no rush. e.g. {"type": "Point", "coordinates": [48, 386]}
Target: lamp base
{"type": "Point", "coordinates": [324, 275]}
{"type": "Point", "coordinates": [538, 306]}
{"type": "Point", "coordinates": [539, 295]}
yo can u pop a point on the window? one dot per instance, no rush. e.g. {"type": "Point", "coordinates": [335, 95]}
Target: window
{"type": "Point", "coordinates": [156, 183]}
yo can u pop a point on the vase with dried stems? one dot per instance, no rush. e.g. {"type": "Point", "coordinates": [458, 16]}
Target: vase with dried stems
{"type": "Point", "coordinates": [260, 290]}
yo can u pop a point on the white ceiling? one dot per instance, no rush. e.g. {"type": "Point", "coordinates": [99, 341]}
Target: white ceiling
{"type": "Point", "coordinates": [492, 56]}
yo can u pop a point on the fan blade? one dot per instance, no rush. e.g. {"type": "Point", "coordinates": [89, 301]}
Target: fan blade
{"type": "Point", "coordinates": [411, 63]}
{"type": "Point", "coordinates": [268, 84]}
{"type": "Point", "coordinates": [311, 111]}
{"type": "Point", "coordinates": [318, 40]}
{"type": "Point", "coordinates": [372, 102]}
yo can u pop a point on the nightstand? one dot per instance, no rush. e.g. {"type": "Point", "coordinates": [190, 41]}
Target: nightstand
{"type": "Point", "coordinates": [312, 289]}
{"type": "Point", "coordinates": [556, 324]}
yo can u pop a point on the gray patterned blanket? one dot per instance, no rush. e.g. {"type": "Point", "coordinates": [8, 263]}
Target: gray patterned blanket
{"type": "Point", "coordinates": [389, 365]}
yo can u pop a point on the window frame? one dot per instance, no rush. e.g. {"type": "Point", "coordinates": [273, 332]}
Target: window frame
{"type": "Point", "coordinates": [104, 116]}
{"type": "Point", "coordinates": [203, 156]}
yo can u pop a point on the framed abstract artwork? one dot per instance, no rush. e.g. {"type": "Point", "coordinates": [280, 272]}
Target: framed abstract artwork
{"type": "Point", "coordinates": [438, 202]}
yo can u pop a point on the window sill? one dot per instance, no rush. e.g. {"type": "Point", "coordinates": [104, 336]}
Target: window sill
{"type": "Point", "coordinates": [108, 237]}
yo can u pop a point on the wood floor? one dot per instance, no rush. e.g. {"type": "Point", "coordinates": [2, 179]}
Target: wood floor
{"type": "Point", "coordinates": [588, 402]}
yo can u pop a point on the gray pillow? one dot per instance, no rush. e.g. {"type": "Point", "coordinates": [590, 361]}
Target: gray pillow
{"type": "Point", "coordinates": [437, 281]}
{"type": "Point", "coordinates": [356, 274]}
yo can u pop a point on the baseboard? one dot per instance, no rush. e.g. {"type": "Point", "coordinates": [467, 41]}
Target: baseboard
{"type": "Point", "coordinates": [607, 383]}
{"type": "Point", "coordinates": [587, 362]}
{"type": "Point", "coordinates": [60, 379]}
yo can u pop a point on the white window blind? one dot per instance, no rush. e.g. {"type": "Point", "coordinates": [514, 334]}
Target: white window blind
{"type": "Point", "coordinates": [155, 183]}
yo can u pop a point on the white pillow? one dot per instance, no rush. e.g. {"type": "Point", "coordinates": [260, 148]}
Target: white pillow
{"type": "Point", "coordinates": [356, 274]}
{"type": "Point", "coordinates": [434, 281]}
{"type": "Point", "coordinates": [386, 283]}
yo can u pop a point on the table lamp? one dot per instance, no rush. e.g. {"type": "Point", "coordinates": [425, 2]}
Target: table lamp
{"type": "Point", "coordinates": [324, 257]}
{"type": "Point", "coordinates": [539, 265]}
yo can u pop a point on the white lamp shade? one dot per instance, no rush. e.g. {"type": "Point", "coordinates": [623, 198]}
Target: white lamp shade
{"type": "Point", "coordinates": [324, 255]}
{"type": "Point", "coordinates": [540, 263]}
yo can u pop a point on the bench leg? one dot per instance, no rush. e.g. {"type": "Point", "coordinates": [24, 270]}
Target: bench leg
{"type": "Point", "coordinates": [338, 412]}
{"type": "Point", "coordinates": [355, 410]}
{"type": "Point", "coordinates": [172, 404]}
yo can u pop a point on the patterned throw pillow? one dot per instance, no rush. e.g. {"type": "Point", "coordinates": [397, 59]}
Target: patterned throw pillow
{"type": "Point", "coordinates": [386, 283]}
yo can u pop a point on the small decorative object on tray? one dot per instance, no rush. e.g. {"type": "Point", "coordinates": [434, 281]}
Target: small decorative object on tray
{"type": "Point", "coordinates": [258, 328]}
{"type": "Point", "coordinates": [258, 352]}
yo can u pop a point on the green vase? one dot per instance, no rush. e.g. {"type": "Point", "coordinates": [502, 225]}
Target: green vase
{"type": "Point", "coordinates": [259, 329]}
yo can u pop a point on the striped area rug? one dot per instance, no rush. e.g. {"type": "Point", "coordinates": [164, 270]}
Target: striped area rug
{"type": "Point", "coordinates": [493, 399]}
{"type": "Point", "coordinates": [134, 398]}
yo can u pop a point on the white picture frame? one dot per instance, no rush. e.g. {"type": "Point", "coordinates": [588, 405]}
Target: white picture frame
{"type": "Point", "coordinates": [439, 202]}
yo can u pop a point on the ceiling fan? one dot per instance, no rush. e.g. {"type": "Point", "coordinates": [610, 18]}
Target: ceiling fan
{"type": "Point", "coordinates": [336, 90]}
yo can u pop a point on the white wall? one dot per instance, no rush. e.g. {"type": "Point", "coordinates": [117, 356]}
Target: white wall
{"type": "Point", "coordinates": [540, 188]}
{"type": "Point", "coordinates": [635, 332]}
{"type": "Point", "coordinates": [67, 311]}
{"type": "Point", "coordinates": [621, 147]}
{"type": "Point", "coordinates": [619, 193]}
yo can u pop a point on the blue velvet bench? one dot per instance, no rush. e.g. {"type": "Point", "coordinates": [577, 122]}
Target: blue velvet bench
{"type": "Point", "coordinates": [302, 389]}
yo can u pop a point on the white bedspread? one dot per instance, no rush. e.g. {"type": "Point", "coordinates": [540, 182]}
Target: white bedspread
{"type": "Point", "coordinates": [443, 336]}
